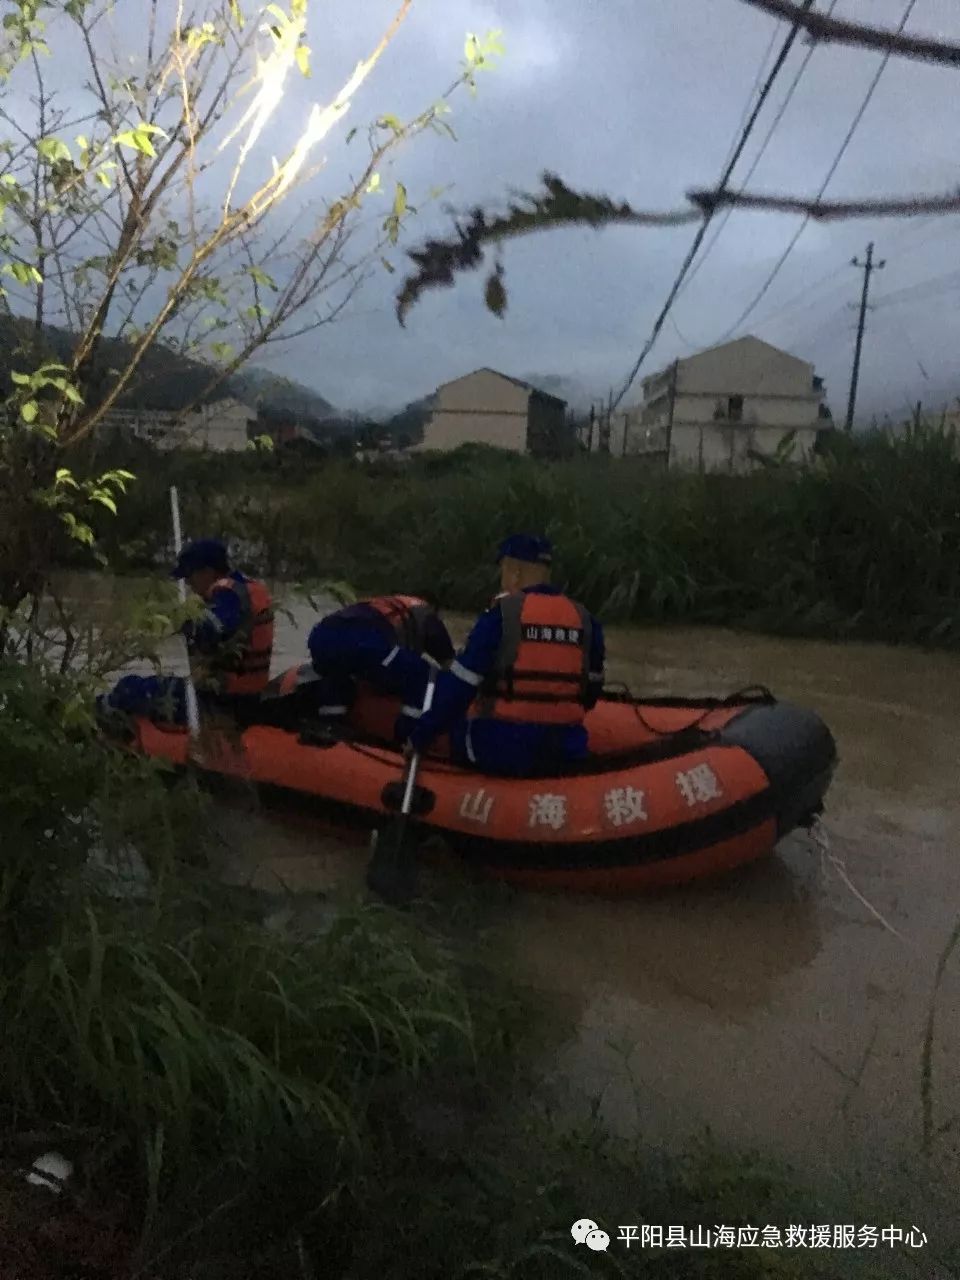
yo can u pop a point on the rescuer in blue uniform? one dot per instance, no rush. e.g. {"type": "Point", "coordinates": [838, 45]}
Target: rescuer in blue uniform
{"type": "Point", "coordinates": [515, 697]}
{"type": "Point", "coordinates": [230, 645]}
{"type": "Point", "coordinates": [390, 642]}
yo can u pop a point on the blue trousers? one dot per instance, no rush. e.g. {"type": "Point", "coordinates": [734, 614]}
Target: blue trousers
{"type": "Point", "coordinates": [343, 653]}
{"type": "Point", "coordinates": [516, 750]}
{"type": "Point", "coordinates": [160, 697]}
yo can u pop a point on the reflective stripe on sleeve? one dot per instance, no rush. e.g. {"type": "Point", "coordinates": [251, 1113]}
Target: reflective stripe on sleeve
{"type": "Point", "coordinates": [463, 673]}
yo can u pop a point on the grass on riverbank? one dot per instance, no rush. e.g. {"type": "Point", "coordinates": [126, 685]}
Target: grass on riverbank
{"type": "Point", "coordinates": [864, 543]}
{"type": "Point", "coordinates": [357, 1104]}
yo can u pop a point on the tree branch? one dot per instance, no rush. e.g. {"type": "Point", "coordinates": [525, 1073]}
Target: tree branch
{"type": "Point", "coordinates": [836, 31]}
{"type": "Point", "coordinates": [438, 260]}
{"type": "Point", "coordinates": [830, 210]}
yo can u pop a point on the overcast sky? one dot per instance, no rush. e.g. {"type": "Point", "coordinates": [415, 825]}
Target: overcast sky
{"type": "Point", "coordinates": [641, 99]}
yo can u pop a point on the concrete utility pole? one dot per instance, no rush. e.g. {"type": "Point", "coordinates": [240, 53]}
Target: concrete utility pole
{"type": "Point", "coordinates": [868, 269]}
{"type": "Point", "coordinates": [605, 420]}
{"type": "Point", "coordinates": [673, 401]}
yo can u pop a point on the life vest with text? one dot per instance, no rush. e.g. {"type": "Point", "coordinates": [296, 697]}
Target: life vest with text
{"type": "Point", "coordinates": [542, 667]}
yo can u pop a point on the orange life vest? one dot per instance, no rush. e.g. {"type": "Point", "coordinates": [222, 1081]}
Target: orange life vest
{"type": "Point", "coordinates": [407, 615]}
{"type": "Point", "coordinates": [242, 664]}
{"type": "Point", "coordinates": [542, 670]}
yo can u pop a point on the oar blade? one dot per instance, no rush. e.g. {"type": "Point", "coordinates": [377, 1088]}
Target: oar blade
{"type": "Point", "coordinates": [392, 872]}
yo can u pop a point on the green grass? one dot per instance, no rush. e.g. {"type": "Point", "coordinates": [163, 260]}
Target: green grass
{"type": "Point", "coordinates": [356, 1104]}
{"type": "Point", "coordinates": [865, 543]}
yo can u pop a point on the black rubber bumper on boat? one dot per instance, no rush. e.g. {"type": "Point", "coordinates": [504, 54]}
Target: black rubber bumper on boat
{"type": "Point", "coordinates": [796, 751]}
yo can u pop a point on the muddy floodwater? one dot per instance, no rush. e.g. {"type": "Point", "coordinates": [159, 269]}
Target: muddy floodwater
{"type": "Point", "coordinates": [773, 1006]}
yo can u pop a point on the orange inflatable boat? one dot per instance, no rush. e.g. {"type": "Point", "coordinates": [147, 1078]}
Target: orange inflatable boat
{"type": "Point", "coordinates": [674, 789]}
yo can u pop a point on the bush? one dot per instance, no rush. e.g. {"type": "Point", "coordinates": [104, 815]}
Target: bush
{"type": "Point", "coordinates": [865, 542]}
{"type": "Point", "coordinates": [179, 1037]}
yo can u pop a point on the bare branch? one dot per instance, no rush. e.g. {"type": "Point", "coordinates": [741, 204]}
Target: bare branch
{"type": "Point", "coordinates": [836, 31]}
{"type": "Point", "coordinates": [438, 260]}
{"type": "Point", "coordinates": [831, 210]}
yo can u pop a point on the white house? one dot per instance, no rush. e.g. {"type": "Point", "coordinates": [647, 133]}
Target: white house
{"type": "Point", "coordinates": [720, 408]}
{"type": "Point", "coordinates": [487, 407]}
{"type": "Point", "coordinates": [221, 427]}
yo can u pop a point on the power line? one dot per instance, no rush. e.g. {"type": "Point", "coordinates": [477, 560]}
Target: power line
{"type": "Point", "coordinates": [758, 80]}
{"type": "Point", "coordinates": [760, 154]}
{"type": "Point", "coordinates": [826, 182]}
{"type": "Point", "coordinates": [919, 290]}
{"type": "Point", "coordinates": [948, 287]}
{"type": "Point", "coordinates": [798, 303]}
{"type": "Point", "coordinates": [829, 277]}
{"type": "Point", "coordinates": [698, 238]}
{"type": "Point", "coordinates": [682, 336]}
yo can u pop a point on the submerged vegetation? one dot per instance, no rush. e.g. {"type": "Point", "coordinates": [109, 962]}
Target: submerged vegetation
{"type": "Point", "coordinates": [862, 543]}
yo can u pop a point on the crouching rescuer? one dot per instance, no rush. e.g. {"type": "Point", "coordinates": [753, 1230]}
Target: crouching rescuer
{"type": "Point", "coordinates": [230, 645]}
{"type": "Point", "coordinates": [515, 698]}
{"type": "Point", "coordinates": [390, 644]}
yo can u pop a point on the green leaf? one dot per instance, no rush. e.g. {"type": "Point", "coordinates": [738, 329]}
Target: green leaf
{"type": "Point", "coordinates": [103, 178]}
{"type": "Point", "coordinates": [400, 199]}
{"type": "Point", "coordinates": [387, 264]}
{"type": "Point", "coordinates": [21, 379]}
{"type": "Point", "coordinates": [23, 273]}
{"type": "Point", "coordinates": [222, 350]}
{"type": "Point", "coordinates": [302, 55]}
{"type": "Point", "coordinates": [493, 44]}
{"type": "Point", "coordinates": [236, 14]}
{"type": "Point", "coordinates": [351, 135]}
{"type": "Point", "coordinates": [79, 532]}
{"type": "Point", "coordinates": [374, 183]}
{"type": "Point", "coordinates": [65, 476]}
{"type": "Point", "coordinates": [390, 122]}
{"type": "Point", "coordinates": [138, 139]}
{"type": "Point", "coordinates": [259, 276]}
{"type": "Point", "coordinates": [52, 150]}
{"type": "Point", "coordinates": [29, 411]}
{"type": "Point", "coordinates": [68, 389]}
{"type": "Point", "coordinates": [105, 500]}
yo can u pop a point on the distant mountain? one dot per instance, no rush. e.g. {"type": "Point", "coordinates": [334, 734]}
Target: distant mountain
{"type": "Point", "coordinates": [406, 427]}
{"type": "Point", "coordinates": [281, 396]}
{"type": "Point", "coordinates": [166, 379]}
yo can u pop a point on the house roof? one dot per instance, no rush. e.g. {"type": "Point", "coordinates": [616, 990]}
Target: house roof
{"type": "Point", "coordinates": [718, 346]}
{"type": "Point", "coordinates": [517, 382]}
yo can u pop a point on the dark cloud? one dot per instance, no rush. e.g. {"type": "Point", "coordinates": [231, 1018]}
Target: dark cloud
{"type": "Point", "coordinates": [640, 99]}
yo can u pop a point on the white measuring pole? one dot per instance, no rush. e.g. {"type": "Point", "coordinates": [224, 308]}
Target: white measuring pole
{"type": "Point", "coordinates": [193, 710]}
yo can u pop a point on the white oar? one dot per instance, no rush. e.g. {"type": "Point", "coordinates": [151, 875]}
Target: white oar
{"type": "Point", "coordinates": [193, 710]}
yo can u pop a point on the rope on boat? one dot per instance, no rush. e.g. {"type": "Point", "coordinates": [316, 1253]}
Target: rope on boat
{"type": "Point", "coordinates": [752, 693]}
